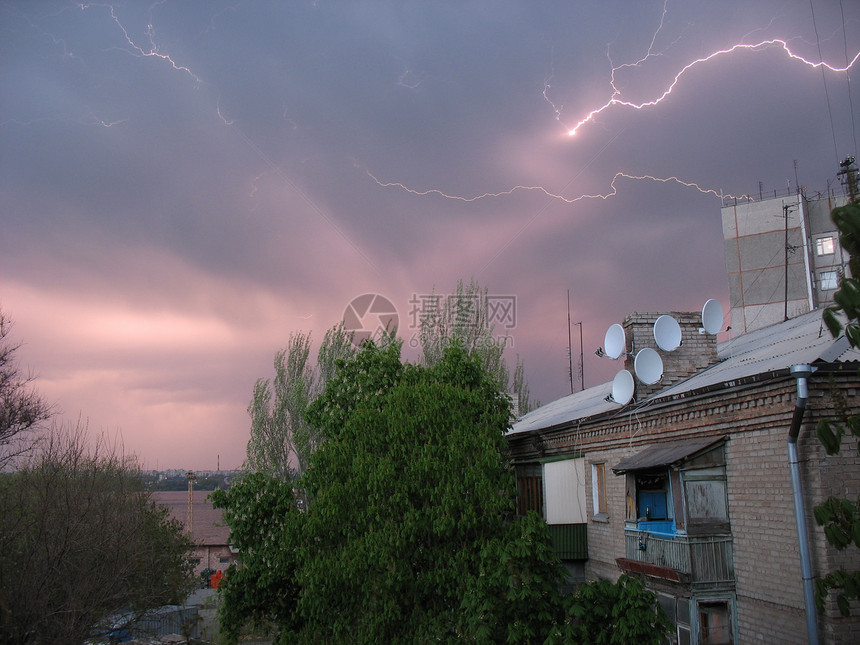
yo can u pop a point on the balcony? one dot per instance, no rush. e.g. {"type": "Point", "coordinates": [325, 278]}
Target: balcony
{"type": "Point", "coordinates": [693, 559]}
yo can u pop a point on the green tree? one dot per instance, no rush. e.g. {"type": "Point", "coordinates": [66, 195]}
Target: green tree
{"type": "Point", "coordinates": [263, 517]}
{"type": "Point", "coordinates": [281, 440]}
{"type": "Point", "coordinates": [841, 517]}
{"type": "Point", "coordinates": [603, 613]}
{"type": "Point", "coordinates": [463, 319]}
{"type": "Point", "coordinates": [82, 542]}
{"type": "Point", "coordinates": [410, 533]}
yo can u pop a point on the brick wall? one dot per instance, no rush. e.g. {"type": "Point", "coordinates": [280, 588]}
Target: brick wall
{"type": "Point", "coordinates": [756, 416]}
{"type": "Point", "coordinates": [606, 534]}
{"type": "Point", "coordinates": [210, 557]}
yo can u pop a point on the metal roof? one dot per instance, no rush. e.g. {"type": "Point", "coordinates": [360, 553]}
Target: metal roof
{"type": "Point", "coordinates": [586, 403]}
{"type": "Point", "coordinates": [665, 454]}
{"type": "Point", "coordinates": [803, 339]}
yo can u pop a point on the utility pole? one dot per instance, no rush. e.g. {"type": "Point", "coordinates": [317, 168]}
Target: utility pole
{"type": "Point", "coordinates": [189, 523]}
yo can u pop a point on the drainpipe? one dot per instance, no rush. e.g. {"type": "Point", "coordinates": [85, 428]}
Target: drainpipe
{"type": "Point", "coordinates": [801, 372]}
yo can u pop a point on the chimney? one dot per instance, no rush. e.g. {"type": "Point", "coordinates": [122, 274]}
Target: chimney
{"type": "Point", "coordinates": [697, 350]}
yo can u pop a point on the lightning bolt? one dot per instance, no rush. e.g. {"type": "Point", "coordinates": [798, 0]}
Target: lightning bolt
{"type": "Point", "coordinates": [223, 118]}
{"type": "Point", "coordinates": [556, 196]}
{"type": "Point", "coordinates": [617, 99]}
{"type": "Point", "coordinates": [47, 119]}
{"type": "Point", "coordinates": [137, 50]}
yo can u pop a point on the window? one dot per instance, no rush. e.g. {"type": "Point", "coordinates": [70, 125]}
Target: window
{"type": "Point", "coordinates": [715, 624]}
{"type": "Point", "coordinates": [706, 495]}
{"type": "Point", "coordinates": [598, 488]}
{"type": "Point", "coordinates": [677, 610]}
{"type": "Point", "coordinates": [530, 489]}
{"type": "Point", "coordinates": [824, 245]}
{"type": "Point", "coordinates": [223, 560]}
{"type": "Point", "coordinates": [827, 280]}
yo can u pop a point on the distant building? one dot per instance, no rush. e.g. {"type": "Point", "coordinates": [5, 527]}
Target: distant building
{"type": "Point", "coordinates": [210, 534]}
{"type": "Point", "coordinates": [781, 241]}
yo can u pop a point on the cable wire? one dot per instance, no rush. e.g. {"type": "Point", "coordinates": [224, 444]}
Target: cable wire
{"type": "Point", "coordinates": [848, 78]}
{"type": "Point", "coordinates": [824, 79]}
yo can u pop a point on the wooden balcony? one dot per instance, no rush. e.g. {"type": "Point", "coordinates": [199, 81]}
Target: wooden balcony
{"type": "Point", "coordinates": [696, 559]}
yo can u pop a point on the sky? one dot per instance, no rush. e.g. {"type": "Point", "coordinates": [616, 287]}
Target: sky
{"type": "Point", "coordinates": [185, 184]}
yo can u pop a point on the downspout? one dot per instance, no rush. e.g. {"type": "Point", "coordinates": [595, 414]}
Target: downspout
{"type": "Point", "coordinates": [801, 372]}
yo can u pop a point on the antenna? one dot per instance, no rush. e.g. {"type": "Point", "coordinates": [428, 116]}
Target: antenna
{"type": "Point", "coordinates": [581, 359]}
{"type": "Point", "coordinates": [648, 366]}
{"type": "Point", "coordinates": [667, 333]}
{"type": "Point", "coordinates": [622, 388]}
{"type": "Point", "coordinates": [712, 317]}
{"type": "Point", "coordinates": [569, 347]}
{"type": "Point", "coordinates": [615, 341]}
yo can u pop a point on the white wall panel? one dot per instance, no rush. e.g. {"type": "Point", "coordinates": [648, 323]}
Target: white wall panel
{"type": "Point", "coordinates": [564, 486]}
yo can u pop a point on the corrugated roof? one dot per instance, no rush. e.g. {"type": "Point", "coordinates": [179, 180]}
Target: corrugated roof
{"type": "Point", "coordinates": [804, 339]}
{"type": "Point", "coordinates": [586, 403]}
{"type": "Point", "coordinates": [665, 454]}
{"type": "Point", "coordinates": [770, 349]}
{"type": "Point", "coordinates": [208, 522]}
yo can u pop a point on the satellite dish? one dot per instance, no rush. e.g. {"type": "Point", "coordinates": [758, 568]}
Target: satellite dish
{"type": "Point", "coordinates": [615, 341]}
{"type": "Point", "coordinates": [648, 366]}
{"type": "Point", "coordinates": [667, 333]}
{"type": "Point", "coordinates": [712, 316]}
{"type": "Point", "coordinates": [622, 388]}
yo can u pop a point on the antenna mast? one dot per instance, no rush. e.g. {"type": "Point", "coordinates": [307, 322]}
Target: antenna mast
{"type": "Point", "coordinates": [848, 174]}
{"type": "Point", "coordinates": [569, 346]}
{"type": "Point", "coordinates": [581, 359]}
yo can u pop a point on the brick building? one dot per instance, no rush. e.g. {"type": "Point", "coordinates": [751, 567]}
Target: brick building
{"type": "Point", "coordinates": [210, 534]}
{"type": "Point", "coordinates": [689, 483]}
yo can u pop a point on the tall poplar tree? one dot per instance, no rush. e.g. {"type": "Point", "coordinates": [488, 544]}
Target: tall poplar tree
{"type": "Point", "coordinates": [463, 319]}
{"type": "Point", "coordinates": [281, 440]}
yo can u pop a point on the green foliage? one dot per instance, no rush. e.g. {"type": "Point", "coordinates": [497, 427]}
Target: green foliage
{"type": "Point", "coordinates": [841, 521]}
{"type": "Point", "coordinates": [848, 582]}
{"type": "Point", "coordinates": [603, 613]}
{"type": "Point", "coordinates": [277, 408]}
{"type": "Point", "coordinates": [841, 517]}
{"type": "Point", "coordinates": [515, 597]}
{"type": "Point", "coordinates": [410, 533]}
{"type": "Point", "coordinates": [261, 590]}
{"type": "Point", "coordinates": [282, 440]}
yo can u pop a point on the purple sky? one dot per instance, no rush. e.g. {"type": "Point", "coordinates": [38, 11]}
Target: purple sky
{"type": "Point", "coordinates": [182, 184]}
